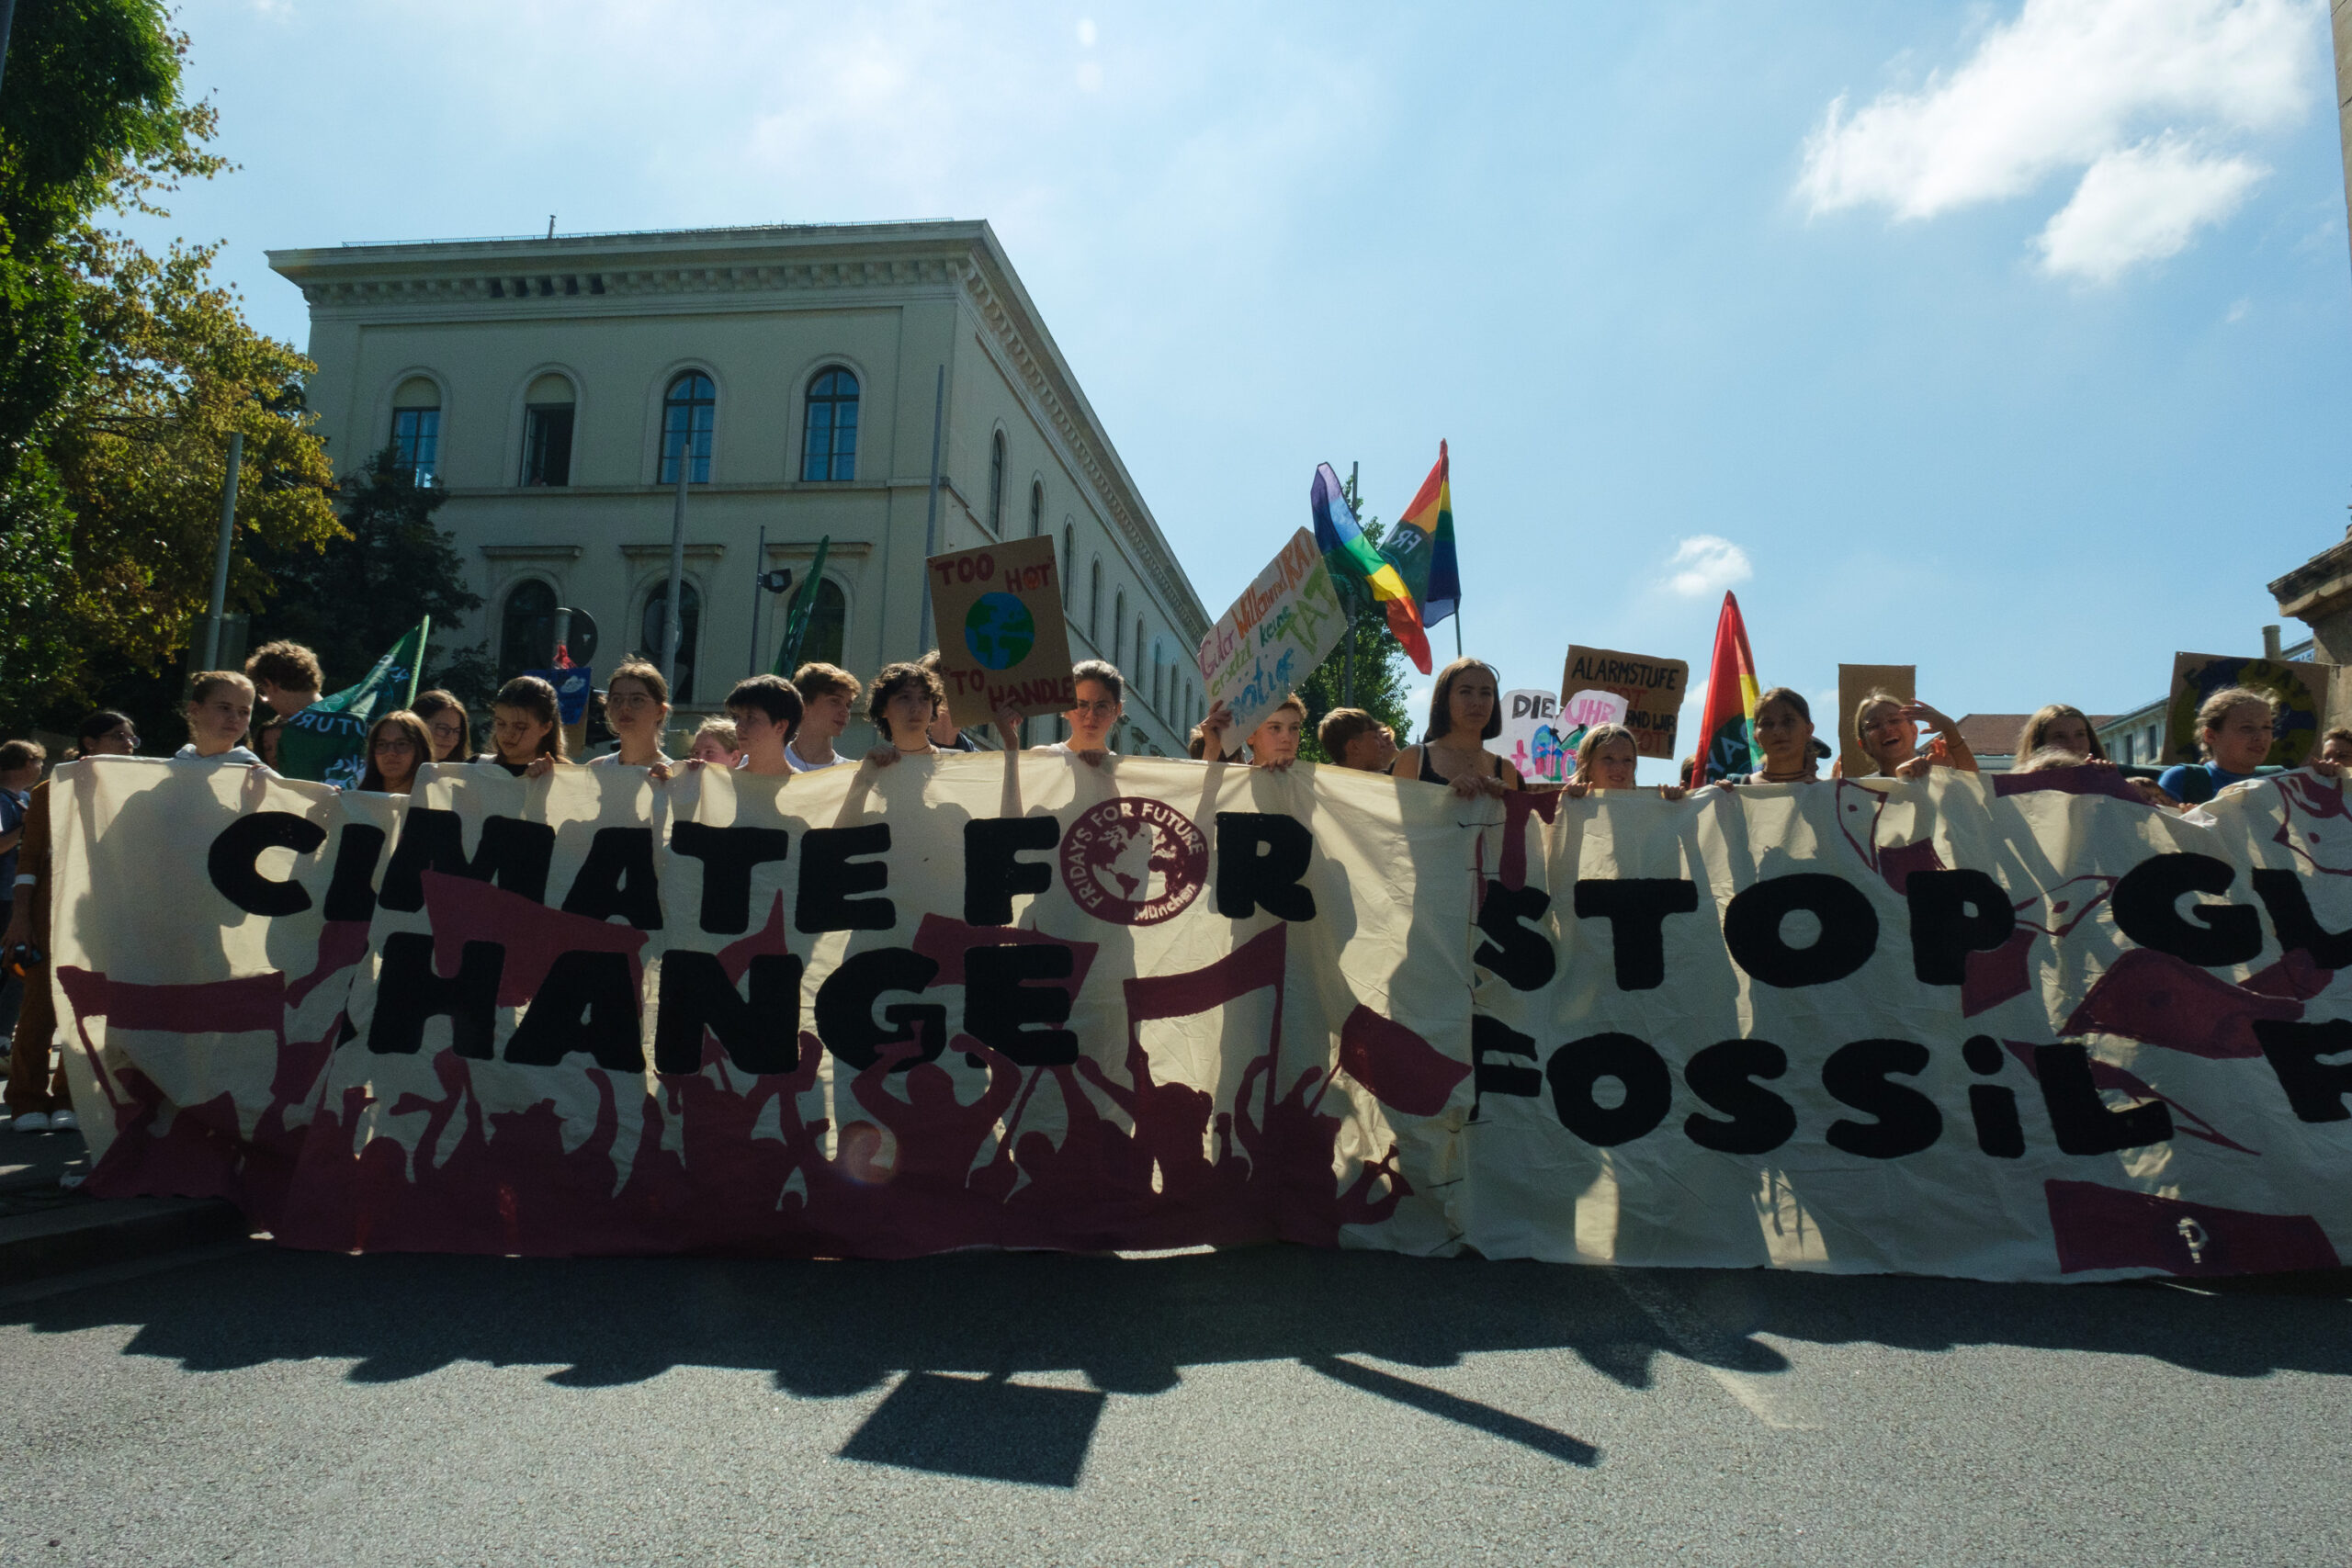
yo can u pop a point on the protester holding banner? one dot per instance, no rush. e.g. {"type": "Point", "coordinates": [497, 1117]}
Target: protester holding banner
{"type": "Point", "coordinates": [1783, 741]}
{"type": "Point", "coordinates": [900, 706]}
{"type": "Point", "coordinates": [1607, 759]}
{"type": "Point", "coordinates": [446, 721]}
{"type": "Point", "coordinates": [827, 693]}
{"type": "Point", "coordinates": [1887, 729]}
{"type": "Point", "coordinates": [285, 676]}
{"type": "Point", "coordinates": [1274, 743]}
{"type": "Point", "coordinates": [526, 737]}
{"type": "Point", "coordinates": [2234, 730]}
{"type": "Point", "coordinates": [768, 714]}
{"type": "Point", "coordinates": [398, 744]}
{"type": "Point", "coordinates": [2064, 726]}
{"type": "Point", "coordinates": [219, 711]}
{"type": "Point", "coordinates": [1465, 711]}
{"type": "Point", "coordinates": [1352, 739]}
{"type": "Point", "coordinates": [637, 706]}
{"type": "Point", "coordinates": [1102, 700]}
{"type": "Point", "coordinates": [715, 744]}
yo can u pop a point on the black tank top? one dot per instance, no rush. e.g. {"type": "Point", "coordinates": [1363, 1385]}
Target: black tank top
{"type": "Point", "coordinates": [1430, 775]}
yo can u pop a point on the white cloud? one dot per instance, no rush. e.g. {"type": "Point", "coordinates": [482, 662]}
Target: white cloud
{"type": "Point", "coordinates": [2122, 89]}
{"type": "Point", "coordinates": [1086, 34]}
{"type": "Point", "coordinates": [2141, 204]}
{"type": "Point", "coordinates": [1704, 564]}
{"type": "Point", "coordinates": [2239, 311]}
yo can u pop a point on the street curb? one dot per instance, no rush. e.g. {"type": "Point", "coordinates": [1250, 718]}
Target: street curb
{"type": "Point", "coordinates": [86, 1236]}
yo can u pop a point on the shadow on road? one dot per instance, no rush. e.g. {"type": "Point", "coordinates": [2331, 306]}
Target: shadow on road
{"type": "Point", "coordinates": [956, 1331]}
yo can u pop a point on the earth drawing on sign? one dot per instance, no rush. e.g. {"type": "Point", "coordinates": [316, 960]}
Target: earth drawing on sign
{"type": "Point", "coordinates": [999, 630]}
{"type": "Point", "coordinates": [1133, 861]}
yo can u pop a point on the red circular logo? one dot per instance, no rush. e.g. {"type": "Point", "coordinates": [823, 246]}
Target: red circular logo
{"type": "Point", "coordinates": [1133, 861]}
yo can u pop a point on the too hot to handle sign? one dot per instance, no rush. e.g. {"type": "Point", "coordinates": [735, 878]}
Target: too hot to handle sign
{"type": "Point", "coordinates": [997, 611]}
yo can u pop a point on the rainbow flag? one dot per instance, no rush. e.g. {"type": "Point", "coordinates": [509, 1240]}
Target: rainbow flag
{"type": "Point", "coordinates": [1421, 546]}
{"type": "Point", "coordinates": [1350, 555]}
{"type": "Point", "coordinates": [1727, 722]}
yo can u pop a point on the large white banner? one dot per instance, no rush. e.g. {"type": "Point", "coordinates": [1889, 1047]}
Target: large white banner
{"type": "Point", "coordinates": [2004, 1028]}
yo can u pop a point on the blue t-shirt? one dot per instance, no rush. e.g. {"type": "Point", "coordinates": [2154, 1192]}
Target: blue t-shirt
{"type": "Point", "coordinates": [2193, 783]}
{"type": "Point", "coordinates": [12, 817]}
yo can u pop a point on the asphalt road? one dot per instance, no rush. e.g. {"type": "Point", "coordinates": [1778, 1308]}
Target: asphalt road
{"type": "Point", "coordinates": [1273, 1406]}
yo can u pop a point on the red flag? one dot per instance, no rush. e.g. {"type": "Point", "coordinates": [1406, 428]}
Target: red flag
{"type": "Point", "coordinates": [1727, 722]}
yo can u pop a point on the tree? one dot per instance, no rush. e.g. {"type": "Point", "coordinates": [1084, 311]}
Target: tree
{"type": "Point", "coordinates": [1381, 667]}
{"type": "Point", "coordinates": [122, 374]}
{"type": "Point", "coordinates": [390, 569]}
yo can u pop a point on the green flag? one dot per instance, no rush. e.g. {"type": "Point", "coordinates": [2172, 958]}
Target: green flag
{"type": "Point", "coordinates": [804, 606]}
{"type": "Point", "coordinates": [328, 740]}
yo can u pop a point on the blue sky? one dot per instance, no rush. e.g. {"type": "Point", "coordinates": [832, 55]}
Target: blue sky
{"type": "Point", "coordinates": [2026, 364]}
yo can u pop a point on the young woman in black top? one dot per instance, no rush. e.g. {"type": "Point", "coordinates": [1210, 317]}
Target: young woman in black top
{"type": "Point", "coordinates": [1465, 711]}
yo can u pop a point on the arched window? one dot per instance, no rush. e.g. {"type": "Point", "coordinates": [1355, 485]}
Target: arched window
{"type": "Point", "coordinates": [1069, 565]}
{"type": "Point", "coordinates": [830, 451]}
{"type": "Point", "coordinates": [996, 484]}
{"type": "Point", "coordinates": [1036, 509]}
{"type": "Point", "coordinates": [1138, 644]}
{"type": "Point", "coordinates": [828, 626]}
{"type": "Point", "coordinates": [547, 408]}
{"type": "Point", "coordinates": [417, 428]}
{"type": "Point", "coordinates": [651, 625]}
{"type": "Point", "coordinates": [1118, 618]}
{"type": "Point", "coordinates": [1094, 602]}
{"type": "Point", "coordinates": [689, 414]}
{"type": "Point", "coordinates": [526, 629]}
{"type": "Point", "coordinates": [1156, 669]}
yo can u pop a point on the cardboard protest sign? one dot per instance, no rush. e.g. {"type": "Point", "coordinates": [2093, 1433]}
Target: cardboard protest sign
{"type": "Point", "coordinates": [2299, 687]}
{"type": "Point", "coordinates": [1856, 681]}
{"type": "Point", "coordinates": [1653, 690]}
{"type": "Point", "coordinates": [1273, 637]}
{"type": "Point", "coordinates": [997, 611]}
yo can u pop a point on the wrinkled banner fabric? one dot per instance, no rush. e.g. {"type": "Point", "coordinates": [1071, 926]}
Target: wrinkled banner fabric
{"type": "Point", "coordinates": [2001, 1028]}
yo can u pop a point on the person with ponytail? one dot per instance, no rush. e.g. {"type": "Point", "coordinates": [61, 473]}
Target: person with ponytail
{"type": "Point", "coordinates": [526, 729]}
{"type": "Point", "coordinates": [219, 711]}
{"type": "Point", "coordinates": [1784, 742]}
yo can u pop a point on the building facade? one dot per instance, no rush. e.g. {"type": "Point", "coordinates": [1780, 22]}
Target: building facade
{"type": "Point", "coordinates": [805, 375]}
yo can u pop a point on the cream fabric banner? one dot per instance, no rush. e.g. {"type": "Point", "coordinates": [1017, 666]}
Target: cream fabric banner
{"type": "Point", "coordinates": [1964, 1026]}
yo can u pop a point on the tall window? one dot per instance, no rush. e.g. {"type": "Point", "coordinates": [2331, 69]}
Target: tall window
{"type": "Point", "coordinates": [1138, 643]}
{"type": "Point", "coordinates": [1036, 509]}
{"type": "Point", "coordinates": [689, 414]}
{"type": "Point", "coordinates": [655, 620]}
{"type": "Point", "coordinates": [526, 629]}
{"type": "Point", "coordinates": [417, 428]}
{"type": "Point", "coordinates": [1118, 619]}
{"type": "Point", "coordinates": [830, 451]}
{"type": "Point", "coordinates": [1158, 671]}
{"type": "Point", "coordinates": [1069, 565]}
{"type": "Point", "coordinates": [996, 484]}
{"type": "Point", "coordinates": [1094, 602]}
{"type": "Point", "coordinates": [546, 431]}
{"type": "Point", "coordinates": [828, 626]}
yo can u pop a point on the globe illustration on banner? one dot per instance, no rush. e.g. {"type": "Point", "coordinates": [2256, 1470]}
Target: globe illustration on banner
{"type": "Point", "coordinates": [999, 630]}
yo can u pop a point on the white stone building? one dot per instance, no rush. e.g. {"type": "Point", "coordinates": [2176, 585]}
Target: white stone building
{"type": "Point", "coordinates": [550, 386]}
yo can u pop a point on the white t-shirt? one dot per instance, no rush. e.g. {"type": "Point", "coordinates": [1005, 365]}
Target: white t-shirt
{"type": "Point", "coordinates": [1064, 749]}
{"type": "Point", "coordinates": [613, 759]}
{"type": "Point", "coordinates": [800, 764]}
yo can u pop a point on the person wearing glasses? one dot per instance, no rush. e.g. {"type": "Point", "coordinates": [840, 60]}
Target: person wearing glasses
{"type": "Point", "coordinates": [1101, 693]}
{"type": "Point", "coordinates": [445, 721]}
{"type": "Point", "coordinates": [637, 706]}
{"type": "Point", "coordinates": [37, 1094]}
{"type": "Point", "coordinates": [398, 744]}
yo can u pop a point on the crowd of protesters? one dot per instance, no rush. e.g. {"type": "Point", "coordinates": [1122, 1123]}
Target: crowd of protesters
{"type": "Point", "coordinates": [774, 727]}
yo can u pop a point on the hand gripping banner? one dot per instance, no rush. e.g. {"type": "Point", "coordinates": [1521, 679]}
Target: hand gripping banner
{"type": "Point", "coordinates": [2009, 1028]}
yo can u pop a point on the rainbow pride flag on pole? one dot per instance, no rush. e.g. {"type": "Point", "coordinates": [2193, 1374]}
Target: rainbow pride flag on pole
{"type": "Point", "coordinates": [1727, 723]}
{"type": "Point", "coordinates": [1421, 546]}
{"type": "Point", "coordinates": [1350, 555]}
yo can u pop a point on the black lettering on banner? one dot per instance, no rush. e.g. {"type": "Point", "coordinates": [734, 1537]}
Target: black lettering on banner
{"type": "Point", "coordinates": [1993, 1108]}
{"type": "Point", "coordinates": [999, 1004]}
{"type": "Point", "coordinates": [992, 874]}
{"type": "Point", "coordinates": [513, 855]}
{"type": "Point", "coordinates": [1907, 1120]}
{"type": "Point", "coordinates": [1635, 908]}
{"type": "Point", "coordinates": [1259, 858]}
{"type": "Point", "coordinates": [727, 855]}
{"type": "Point", "coordinates": [616, 877]}
{"type": "Point", "coordinates": [845, 1006]}
{"type": "Point", "coordinates": [2282, 893]}
{"type": "Point", "coordinates": [1577, 1068]}
{"type": "Point", "coordinates": [409, 991]}
{"type": "Point", "coordinates": [587, 1002]}
{"type": "Point", "coordinates": [1515, 952]}
{"type": "Point", "coordinates": [230, 862]}
{"type": "Point", "coordinates": [760, 1034]}
{"type": "Point", "coordinates": [2083, 1122]}
{"type": "Point", "coordinates": [831, 868]}
{"type": "Point", "coordinates": [351, 891]}
{"type": "Point", "coordinates": [1953, 914]}
{"type": "Point", "coordinates": [1493, 1037]}
{"type": "Point", "coordinates": [2315, 1089]}
{"type": "Point", "coordinates": [1752, 924]}
{"type": "Point", "coordinates": [2147, 910]}
{"type": "Point", "coordinates": [1725, 1074]}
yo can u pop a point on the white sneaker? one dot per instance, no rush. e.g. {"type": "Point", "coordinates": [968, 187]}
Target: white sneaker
{"type": "Point", "coordinates": [64, 1122]}
{"type": "Point", "coordinates": [30, 1122]}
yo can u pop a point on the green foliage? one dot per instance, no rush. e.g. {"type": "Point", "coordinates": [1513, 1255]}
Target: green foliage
{"type": "Point", "coordinates": [1381, 667]}
{"type": "Point", "coordinates": [390, 567]}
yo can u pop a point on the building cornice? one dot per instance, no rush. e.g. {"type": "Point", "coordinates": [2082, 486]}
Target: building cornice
{"type": "Point", "coordinates": [2318, 587]}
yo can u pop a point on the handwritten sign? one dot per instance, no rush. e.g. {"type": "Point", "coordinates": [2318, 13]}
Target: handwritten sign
{"type": "Point", "coordinates": [2297, 686]}
{"type": "Point", "coordinates": [1264, 647]}
{"type": "Point", "coordinates": [1653, 690]}
{"type": "Point", "coordinates": [1856, 681]}
{"type": "Point", "coordinates": [1002, 642]}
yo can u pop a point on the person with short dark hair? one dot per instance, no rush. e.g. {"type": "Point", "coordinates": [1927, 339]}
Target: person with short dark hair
{"type": "Point", "coordinates": [1465, 712]}
{"type": "Point", "coordinates": [900, 706]}
{"type": "Point", "coordinates": [285, 675]}
{"type": "Point", "coordinates": [767, 712]}
{"type": "Point", "coordinates": [526, 729]}
{"type": "Point", "coordinates": [1354, 739]}
{"type": "Point", "coordinates": [1101, 694]}
{"type": "Point", "coordinates": [267, 739]}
